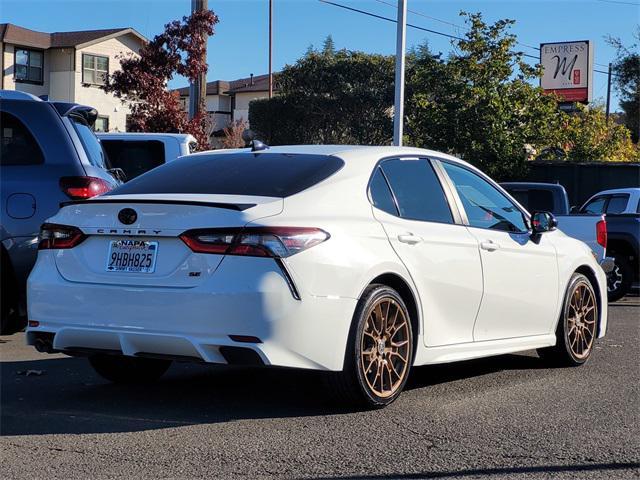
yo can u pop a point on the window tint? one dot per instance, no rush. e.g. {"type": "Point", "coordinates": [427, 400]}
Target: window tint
{"type": "Point", "coordinates": [534, 199]}
{"type": "Point", "coordinates": [485, 205]}
{"type": "Point", "coordinates": [91, 144]}
{"type": "Point", "coordinates": [595, 206]}
{"type": "Point", "coordinates": [617, 204]}
{"type": "Point", "coordinates": [417, 190]}
{"type": "Point", "coordinates": [260, 174]}
{"type": "Point", "coordinates": [18, 145]}
{"type": "Point", "coordinates": [380, 194]}
{"type": "Point", "coordinates": [134, 157]}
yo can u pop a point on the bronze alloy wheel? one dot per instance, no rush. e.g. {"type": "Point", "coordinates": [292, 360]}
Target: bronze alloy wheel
{"type": "Point", "coordinates": [385, 347]}
{"type": "Point", "coordinates": [582, 315]}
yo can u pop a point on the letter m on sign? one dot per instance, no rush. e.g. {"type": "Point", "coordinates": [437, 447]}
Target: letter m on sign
{"type": "Point", "coordinates": [562, 66]}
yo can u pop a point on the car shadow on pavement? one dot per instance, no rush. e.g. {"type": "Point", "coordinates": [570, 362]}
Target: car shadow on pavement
{"type": "Point", "coordinates": [64, 395]}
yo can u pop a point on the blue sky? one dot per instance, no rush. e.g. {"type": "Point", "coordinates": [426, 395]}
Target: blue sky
{"type": "Point", "coordinates": [240, 44]}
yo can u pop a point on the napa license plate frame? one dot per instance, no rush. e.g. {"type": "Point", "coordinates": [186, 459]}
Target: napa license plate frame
{"type": "Point", "coordinates": [132, 256]}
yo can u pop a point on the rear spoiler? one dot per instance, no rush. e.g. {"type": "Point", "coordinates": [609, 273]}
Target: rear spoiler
{"type": "Point", "coordinates": [65, 109]}
{"type": "Point", "coordinates": [229, 206]}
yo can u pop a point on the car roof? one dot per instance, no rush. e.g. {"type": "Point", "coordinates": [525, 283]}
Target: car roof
{"type": "Point", "coordinates": [178, 136]}
{"type": "Point", "coordinates": [618, 190]}
{"type": "Point", "coordinates": [17, 95]}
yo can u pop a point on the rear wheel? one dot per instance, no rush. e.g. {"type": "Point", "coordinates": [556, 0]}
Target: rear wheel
{"type": "Point", "coordinates": [577, 328]}
{"type": "Point", "coordinates": [379, 351]}
{"type": "Point", "coordinates": [619, 279]}
{"type": "Point", "coordinates": [10, 321]}
{"type": "Point", "coordinates": [121, 369]}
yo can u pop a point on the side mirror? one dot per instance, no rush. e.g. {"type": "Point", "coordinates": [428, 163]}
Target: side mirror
{"type": "Point", "coordinates": [542, 222]}
{"type": "Point", "coordinates": [574, 209]}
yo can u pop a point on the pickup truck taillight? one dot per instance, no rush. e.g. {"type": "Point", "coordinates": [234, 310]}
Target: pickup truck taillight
{"type": "Point", "coordinates": [601, 233]}
{"type": "Point", "coordinates": [81, 188]}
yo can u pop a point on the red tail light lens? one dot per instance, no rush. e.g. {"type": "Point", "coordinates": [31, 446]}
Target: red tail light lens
{"type": "Point", "coordinates": [81, 188]}
{"type": "Point", "coordinates": [276, 242]}
{"type": "Point", "coordinates": [601, 233]}
{"type": "Point", "coordinates": [54, 236]}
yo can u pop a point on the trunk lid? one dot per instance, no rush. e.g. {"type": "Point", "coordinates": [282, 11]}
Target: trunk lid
{"type": "Point", "coordinates": [159, 220]}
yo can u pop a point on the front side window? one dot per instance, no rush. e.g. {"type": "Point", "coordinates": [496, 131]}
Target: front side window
{"type": "Point", "coordinates": [94, 69]}
{"type": "Point", "coordinates": [28, 65]}
{"type": "Point", "coordinates": [485, 205]}
{"type": "Point", "coordinates": [417, 190]}
{"type": "Point", "coordinates": [617, 204]}
{"type": "Point", "coordinates": [18, 145]}
{"type": "Point", "coordinates": [595, 206]}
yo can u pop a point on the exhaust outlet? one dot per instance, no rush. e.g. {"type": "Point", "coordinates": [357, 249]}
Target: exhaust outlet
{"type": "Point", "coordinates": [43, 346]}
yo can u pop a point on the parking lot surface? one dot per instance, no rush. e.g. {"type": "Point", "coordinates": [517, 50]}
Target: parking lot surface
{"type": "Point", "coordinates": [503, 417]}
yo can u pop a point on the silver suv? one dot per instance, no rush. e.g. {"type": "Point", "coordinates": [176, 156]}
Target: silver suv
{"type": "Point", "coordinates": [48, 155]}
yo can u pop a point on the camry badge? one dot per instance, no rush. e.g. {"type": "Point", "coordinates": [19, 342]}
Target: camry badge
{"type": "Point", "coordinates": [127, 216]}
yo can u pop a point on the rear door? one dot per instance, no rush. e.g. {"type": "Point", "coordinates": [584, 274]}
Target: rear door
{"type": "Point", "coordinates": [440, 254]}
{"type": "Point", "coordinates": [520, 274]}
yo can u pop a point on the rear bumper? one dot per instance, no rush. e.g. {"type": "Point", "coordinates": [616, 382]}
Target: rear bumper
{"type": "Point", "coordinates": [246, 297]}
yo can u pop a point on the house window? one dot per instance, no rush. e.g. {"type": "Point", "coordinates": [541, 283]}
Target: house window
{"type": "Point", "coordinates": [101, 124]}
{"type": "Point", "coordinates": [28, 65]}
{"type": "Point", "coordinates": [94, 69]}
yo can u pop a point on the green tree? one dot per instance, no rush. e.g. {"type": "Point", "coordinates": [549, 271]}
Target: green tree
{"type": "Point", "coordinates": [341, 98]}
{"type": "Point", "coordinates": [627, 81]}
{"type": "Point", "coordinates": [329, 47]}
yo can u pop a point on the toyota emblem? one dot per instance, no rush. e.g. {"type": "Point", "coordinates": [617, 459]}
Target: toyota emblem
{"type": "Point", "coordinates": [127, 216]}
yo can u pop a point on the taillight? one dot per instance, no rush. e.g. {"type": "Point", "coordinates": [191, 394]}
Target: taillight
{"type": "Point", "coordinates": [601, 233]}
{"type": "Point", "coordinates": [54, 236]}
{"type": "Point", "coordinates": [81, 188]}
{"type": "Point", "coordinates": [277, 242]}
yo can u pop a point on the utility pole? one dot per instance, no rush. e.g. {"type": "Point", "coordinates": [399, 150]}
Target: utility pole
{"type": "Point", "coordinates": [608, 91]}
{"type": "Point", "coordinates": [270, 48]}
{"type": "Point", "coordinates": [401, 41]}
{"type": "Point", "coordinates": [198, 89]}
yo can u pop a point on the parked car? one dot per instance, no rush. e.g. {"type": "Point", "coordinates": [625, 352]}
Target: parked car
{"type": "Point", "coordinates": [591, 228]}
{"type": "Point", "coordinates": [358, 261]}
{"type": "Point", "coordinates": [622, 209]}
{"type": "Point", "coordinates": [48, 155]}
{"type": "Point", "coordinates": [137, 153]}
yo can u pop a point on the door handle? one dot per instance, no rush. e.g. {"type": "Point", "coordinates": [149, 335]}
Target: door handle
{"type": "Point", "coordinates": [409, 238]}
{"type": "Point", "coordinates": [489, 246]}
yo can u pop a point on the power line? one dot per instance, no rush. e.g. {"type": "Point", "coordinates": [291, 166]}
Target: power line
{"type": "Point", "coordinates": [435, 32]}
{"type": "Point", "coordinates": [619, 2]}
{"type": "Point", "coordinates": [462, 27]}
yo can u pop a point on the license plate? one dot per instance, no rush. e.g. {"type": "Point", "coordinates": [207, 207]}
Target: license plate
{"type": "Point", "coordinates": [136, 256]}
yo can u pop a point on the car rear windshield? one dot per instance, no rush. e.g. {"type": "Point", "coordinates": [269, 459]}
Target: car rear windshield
{"type": "Point", "coordinates": [257, 174]}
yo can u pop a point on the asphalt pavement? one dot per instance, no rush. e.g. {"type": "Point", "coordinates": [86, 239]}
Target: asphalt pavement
{"type": "Point", "coordinates": [503, 417]}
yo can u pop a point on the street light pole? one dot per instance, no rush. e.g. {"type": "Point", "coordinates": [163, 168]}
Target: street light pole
{"type": "Point", "coordinates": [270, 48]}
{"type": "Point", "coordinates": [401, 40]}
{"type": "Point", "coordinates": [608, 92]}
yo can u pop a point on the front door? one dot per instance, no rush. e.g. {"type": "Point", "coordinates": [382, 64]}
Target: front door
{"type": "Point", "coordinates": [520, 274]}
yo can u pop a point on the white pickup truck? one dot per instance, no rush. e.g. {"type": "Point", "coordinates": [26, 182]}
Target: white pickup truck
{"type": "Point", "coordinates": [137, 153]}
{"type": "Point", "coordinates": [550, 197]}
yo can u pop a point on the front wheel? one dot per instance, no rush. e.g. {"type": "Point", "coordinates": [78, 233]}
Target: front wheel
{"type": "Point", "coordinates": [122, 369]}
{"type": "Point", "coordinates": [577, 327]}
{"type": "Point", "coordinates": [379, 350]}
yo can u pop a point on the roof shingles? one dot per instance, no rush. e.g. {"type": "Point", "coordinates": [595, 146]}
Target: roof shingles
{"type": "Point", "coordinates": [10, 33]}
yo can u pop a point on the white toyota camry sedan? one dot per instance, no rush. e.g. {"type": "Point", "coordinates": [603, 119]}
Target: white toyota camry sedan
{"type": "Point", "coordinates": [359, 261]}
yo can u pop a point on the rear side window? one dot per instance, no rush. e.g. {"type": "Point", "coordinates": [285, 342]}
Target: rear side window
{"type": "Point", "coordinates": [90, 142]}
{"type": "Point", "coordinates": [256, 174]}
{"type": "Point", "coordinates": [617, 204]}
{"type": "Point", "coordinates": [18, 145]}
{"type": "Point", "coordinates": [134, 157]}
{"type": "Point", "coordinates": [380, 194]}
{"type": "Point", "coordinates": [417, 190]}
{"type": "Point", "coordinates": [595, 206]}
{"type": "Point", "coordinates": [534, 200]}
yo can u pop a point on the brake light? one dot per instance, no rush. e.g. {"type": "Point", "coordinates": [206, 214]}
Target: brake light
{"type": "Point", "coordinates": [54, 236]}
{"type": "Point", "coordinates": [276, 242]}
{"type": "Point", "coordinates": [601, 233]}
{"type": "Point", "coordinates": [81, 188]}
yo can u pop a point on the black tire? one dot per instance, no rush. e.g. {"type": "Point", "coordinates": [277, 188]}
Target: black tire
{"type": "Point", "coordinates": [121, 369]}
{"type": "Point", "coordinates": [351, 385]}
{"type": "Point", "coordinates": [10, 321]}
{"type": "Point", "coordinates": [563, 353]}
{"type": "Point", "coordinates": [619, 279]}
